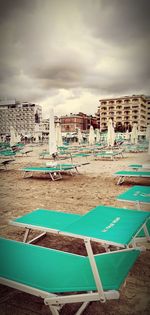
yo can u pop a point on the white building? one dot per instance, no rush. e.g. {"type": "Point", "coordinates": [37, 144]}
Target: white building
{"type": "Point", "coordinates": [22, 116]}
{"type": "Point", "coordinates": [125, 111]}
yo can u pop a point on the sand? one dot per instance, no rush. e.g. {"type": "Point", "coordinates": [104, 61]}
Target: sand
{"type": "Point", "coordinates": [95, 185]}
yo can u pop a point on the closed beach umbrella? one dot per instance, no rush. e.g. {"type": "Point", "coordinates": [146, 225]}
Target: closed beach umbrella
{"type": "Point", "coordinates": [91, 136]}
{"type": "Point", "coordinates": [52, 133]}
{"type": "Point", "coordinates": [13, 136]}
{"type": "Point", "coordinates": [148, 137]}
{"type": "Point", "coordinates": [80, 138]}
{"type": "Point", "coordinates": [127, 136]}
{"type": "Point", "coordinates": [97, 136]}
{"type": "Point", "coordinates": [110, 134]}
{"type": "Point", "coordinates": [148, 133]}
{"type": "Point", "coordinates": [134, 134]}
{"type": "Point", "coordinates": [59, 141]}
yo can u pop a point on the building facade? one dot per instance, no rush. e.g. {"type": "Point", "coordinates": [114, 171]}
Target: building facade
{"type": "Point", "coordinates": [72, 122]}
{"type": "Point", "coordinates": [124, 112]}
{"type": "Point", "coordinates": [148, 109]}
{"type": "Point", "coordinates": [24, 117]}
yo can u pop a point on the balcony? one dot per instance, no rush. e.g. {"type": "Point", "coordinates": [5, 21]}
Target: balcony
{"type": "Point", "coordinates": [126, 101]}
{"type": "Point", "coordinates": [118, 101]}
{"type": "Point", "coordinates": [118, 118]}
{"type": "Point", "coordinates": [135, 100]}
{"type": "Point", "coordinates": [127, 107]}
{"type": "Point", "coordinates": [111, 113]}
{"type": "Point", "coordinates": [119, 113]}
{"type": "Point", "coordinates": [135, 106]}
{"type": "Point", "coordinates": [103, 103]}
{"type": "Point", "coordinates": [103, 108]}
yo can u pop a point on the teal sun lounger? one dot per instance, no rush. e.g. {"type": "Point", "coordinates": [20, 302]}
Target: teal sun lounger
{"type": "Point", "coordinates": [108, 155]}
{"type": "Point", "coordinates": [55, 173]}
{"type": "Point", "coordinates": [123, 174]}
{"type": "Point", "coordinates": [59, 277]}
{"type": "Point", "coordinates": [118, 227]}
{"type": "Point", "coordinates": [136, 194]}
{"type": "Point", "coordinates": [139, 166]}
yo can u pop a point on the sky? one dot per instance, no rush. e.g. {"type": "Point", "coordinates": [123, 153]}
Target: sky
{"type": "Point", "coordinates": [69, 54]}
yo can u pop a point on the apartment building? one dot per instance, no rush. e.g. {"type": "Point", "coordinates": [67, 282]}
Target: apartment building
{"type": "Point", "coordinates": [124, 112]}
{"type": "Point", "coordinates": [148, 109]}
{"type": "Point", "coordinates": [23, 116]}
{"type": "Point", "coordinates": [72, 122]}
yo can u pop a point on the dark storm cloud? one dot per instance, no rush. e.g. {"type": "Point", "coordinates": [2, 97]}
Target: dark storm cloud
{"type": "Point", "coordinates": [49, 45]}
{"type": "Point", "coordinates": [118, 21]}
{"type": "Point", "coordinates": [65, 74]}
{"type": "Point", "coordinates": [10, 8]}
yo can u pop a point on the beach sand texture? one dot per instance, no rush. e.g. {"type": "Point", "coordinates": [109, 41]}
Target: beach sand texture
{"type": "Point", "coordinates": [95, 185]}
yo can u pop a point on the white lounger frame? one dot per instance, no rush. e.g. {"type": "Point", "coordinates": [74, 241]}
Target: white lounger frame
{"type": "Point", "coordinates": [104, 243]}
{"type": "Point", "coordinates": [53, 175]}
{"type": "Point", "coordinates": [122, 178]}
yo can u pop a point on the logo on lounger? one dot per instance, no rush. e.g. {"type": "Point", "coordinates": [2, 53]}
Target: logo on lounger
{"type": "Point", "coordinates": [108, 227]}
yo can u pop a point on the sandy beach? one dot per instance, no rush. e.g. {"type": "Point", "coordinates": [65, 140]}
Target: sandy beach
{"type": "Point", "coordinates": [94, 185]}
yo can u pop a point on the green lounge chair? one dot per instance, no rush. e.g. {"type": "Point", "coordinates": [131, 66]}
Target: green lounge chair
{"type": "Point", "coordinates": [140, 166]}
{"type": "Point", "coordinates": [66, 165]}
{"type": "Point", "coordinates": [118, 227]}
{"type": "Point", "coordinates": [109, 154]}
{"type": "Point", "coordinates": [7, 153]}
{"type": "Point", "coordinates": [123, 174]}
{"type": "Point", "coordinates": [54, 172]}
{"type": "Point", "coordinates": [49, 273]}
{"type": "Point", "coordinates": [138, 195]}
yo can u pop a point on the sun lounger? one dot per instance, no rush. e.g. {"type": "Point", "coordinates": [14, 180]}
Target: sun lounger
{"type": "Point", "coordinates": [123, 174]}
{"type": "Point", "coordinates": [136, 194]}
{"type": "Point", "coordinates": [65, 165]}
{"type": "Point", "coordinates": [60, 277]}
{"type": "Point", "coordinates": [109, 154]}
{"type": "Point", "coordinates": [55, 173]}
{"type": "Point", "coordinates": [7, 153]}
{"type": "Point", "coordinates": [139, 166]}
{"type": "Point", "coordinates": [107, 225]}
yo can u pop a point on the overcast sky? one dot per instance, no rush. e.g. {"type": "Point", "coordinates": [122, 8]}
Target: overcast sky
{"type": "Point", "coordinates": [71, 53]}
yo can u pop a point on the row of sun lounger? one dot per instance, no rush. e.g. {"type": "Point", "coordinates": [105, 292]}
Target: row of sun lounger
{"type": "Point", "coordinates": [59, 277]}
{"type": "Point", "coordinates": [49, 273]}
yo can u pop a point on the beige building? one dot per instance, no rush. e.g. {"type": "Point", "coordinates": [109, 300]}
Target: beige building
{"type": "Point", "coordinates": [124, 111]}
{"type": "Point", "coordinates": [24, 117]}
{"type": "Point", "coordinates": [148, 109]}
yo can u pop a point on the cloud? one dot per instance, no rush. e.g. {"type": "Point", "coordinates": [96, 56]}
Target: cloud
{"type": "Point", "coordinates": [69, 55]}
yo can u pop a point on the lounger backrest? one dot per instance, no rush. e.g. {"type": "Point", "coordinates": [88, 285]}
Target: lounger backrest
{"type": "Point", "coordinates": [43, 268]}
{"type": "Point", "coordinates": [114, 267]}
{"type": "Point", "coordinates": [55, 271]}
